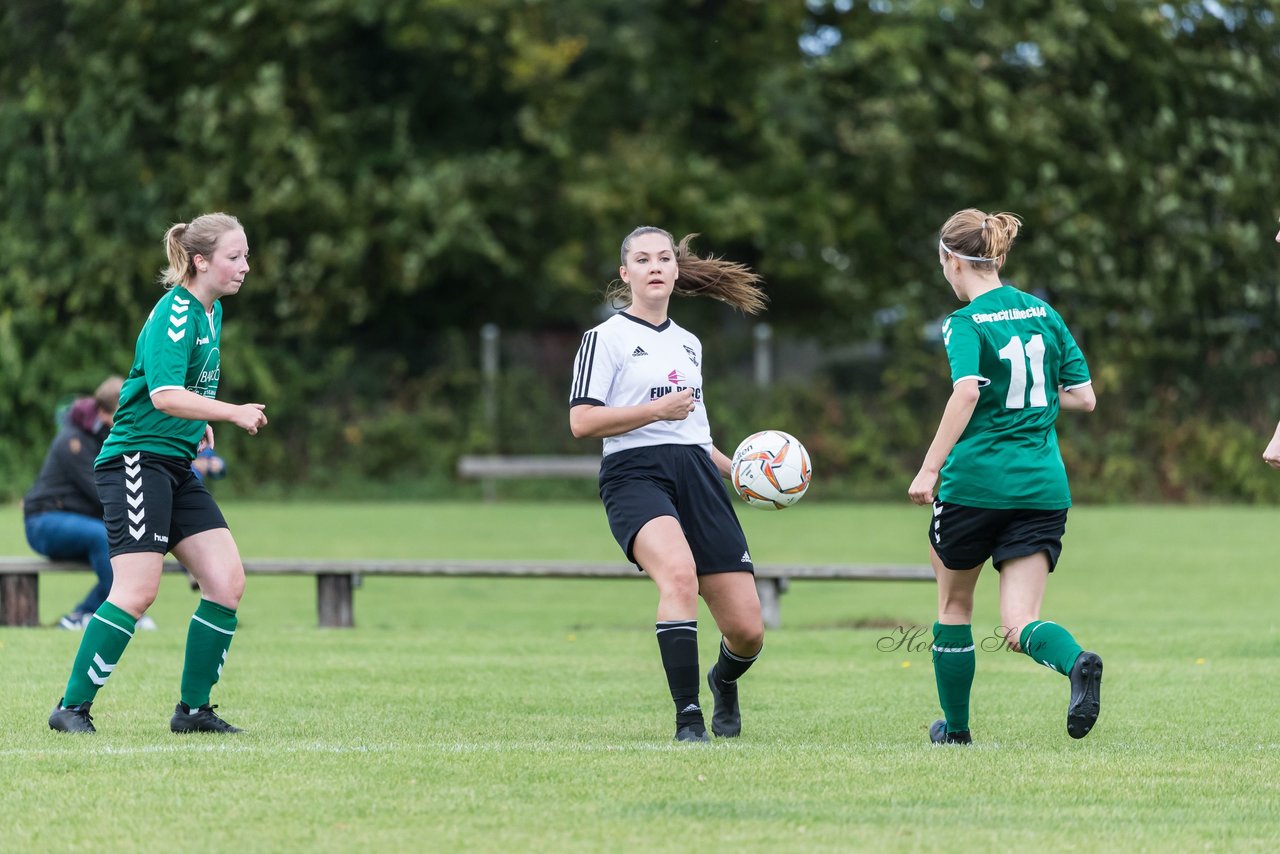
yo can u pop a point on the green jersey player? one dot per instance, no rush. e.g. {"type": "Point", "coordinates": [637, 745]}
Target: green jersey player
{"type": "Point", "coordinates": [152, 501]}
{"type": "Point", "coordinates": [1004, 494]}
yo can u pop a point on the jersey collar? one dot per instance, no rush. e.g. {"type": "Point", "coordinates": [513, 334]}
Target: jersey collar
{"type": "Point", "coordinates": [659, 328]}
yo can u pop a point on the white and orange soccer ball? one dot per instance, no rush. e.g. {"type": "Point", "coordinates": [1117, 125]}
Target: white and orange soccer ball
{"type": "Point", "coordinates": [771, 470]}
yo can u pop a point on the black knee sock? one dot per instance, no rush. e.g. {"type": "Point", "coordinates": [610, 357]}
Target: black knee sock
{"type": "Point", "coordinates": [729, 666]}
{"type": "Point", "coordinates": [678, 644]}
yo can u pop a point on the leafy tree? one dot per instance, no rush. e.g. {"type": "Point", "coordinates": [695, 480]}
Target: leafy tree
{"type": "Point", "coordinates": [409, 170]}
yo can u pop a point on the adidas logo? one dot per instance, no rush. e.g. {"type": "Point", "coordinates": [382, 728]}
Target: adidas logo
{"type": "Point", "coordinates": [746, 557]}
{"type": "Point", "coordinates": [639, 351]}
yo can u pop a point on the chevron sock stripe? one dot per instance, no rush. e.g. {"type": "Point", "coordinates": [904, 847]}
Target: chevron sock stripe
{"type": "Point", "coordinates": [953, 667]}
{"type": "Point", "coordinates": [678, 645]}
{"type": "Point", "coordinates": [208, 639]}
{"type": "Point", "coordinates": [1049, 644]}
{"type": "Point", "coordinates": [105, 638]}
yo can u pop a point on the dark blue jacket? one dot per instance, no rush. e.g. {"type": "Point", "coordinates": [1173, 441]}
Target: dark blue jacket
{"type": "Point", "coordinates": [66, 479]}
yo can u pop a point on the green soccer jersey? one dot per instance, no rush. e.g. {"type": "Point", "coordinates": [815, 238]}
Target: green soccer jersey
{"type": "Point", "coordinates": [177, 348]}
{"type": "Point", "coordinates": [1020, 352]}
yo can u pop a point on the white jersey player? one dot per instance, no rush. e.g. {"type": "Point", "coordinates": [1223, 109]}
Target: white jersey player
{"type": "Point", "coordinates": [637, 384]}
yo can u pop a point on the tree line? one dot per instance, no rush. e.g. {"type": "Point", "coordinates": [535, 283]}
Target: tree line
{"type": "Point", "coordinates": [408, 171]}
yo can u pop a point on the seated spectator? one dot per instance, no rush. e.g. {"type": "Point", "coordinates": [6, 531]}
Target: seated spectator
{"type": "Point", "coordinates": [62, 512]}
{"type": "Point", "coordinates": [209, 466]}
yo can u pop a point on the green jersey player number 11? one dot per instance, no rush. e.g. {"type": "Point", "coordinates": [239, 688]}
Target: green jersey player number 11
{"type": "Point", "coordinates": [1002, 492]}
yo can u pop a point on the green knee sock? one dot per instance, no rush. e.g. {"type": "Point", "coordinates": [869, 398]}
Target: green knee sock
{"type": "Point", "coordinates": [208, 638]}
{"type": "Point", "coordinates": [1050, 644]}
{"type": "Point", "coordinates": [104, 640]}
{"type": "Point", "coordinates": [953, 666]}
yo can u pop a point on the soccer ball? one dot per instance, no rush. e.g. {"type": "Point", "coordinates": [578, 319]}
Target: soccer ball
{"type": "Point", "coordinates": [771, 470]}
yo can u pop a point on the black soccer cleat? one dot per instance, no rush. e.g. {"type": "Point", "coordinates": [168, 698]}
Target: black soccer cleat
{"type": "Point", "coordinates": [1086, 690]}
{"type": "Point", "coordinates": [203, 719]}
{"type": "Point", "coordinates": [938, 734]}
{"type": "Point", "coordinates": [72, 719]}
{"type": "Point", "coordinates": [726, 719]}
{"type": "Point", "coordinates": [693, 733]}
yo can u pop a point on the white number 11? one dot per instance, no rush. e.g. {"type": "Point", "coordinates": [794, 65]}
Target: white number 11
{"type": "Point", "coordinates": [1018, 356]}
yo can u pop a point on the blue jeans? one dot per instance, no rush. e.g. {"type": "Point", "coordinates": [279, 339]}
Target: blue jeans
{"type": "Point", "coordinates": [73, 536]}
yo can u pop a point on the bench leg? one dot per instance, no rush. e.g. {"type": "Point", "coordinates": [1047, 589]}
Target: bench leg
{"type": "Point", "coordinates": [333, 601]}
{"type": "Point", "coordinates": [770, 592]}
{"type": "Point", "coordinates": [20, 600]}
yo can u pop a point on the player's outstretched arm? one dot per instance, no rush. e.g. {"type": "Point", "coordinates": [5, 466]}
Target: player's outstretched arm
{"type": "Point", "coordinates": [960, 406]}
{"type": "Point", "coordinates": [1271, 456]}
{"type": "Point", "coordinates": [181, 403]}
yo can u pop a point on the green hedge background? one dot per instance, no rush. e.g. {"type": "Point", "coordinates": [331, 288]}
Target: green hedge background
{"type": "Point", "coordinates": [409, 170]}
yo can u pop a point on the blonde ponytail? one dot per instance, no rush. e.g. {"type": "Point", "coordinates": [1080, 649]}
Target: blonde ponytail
{"type": "Point", "coordinates": [183, 241]}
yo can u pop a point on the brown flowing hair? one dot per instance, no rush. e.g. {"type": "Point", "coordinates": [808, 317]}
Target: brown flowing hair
{"type": "Point", "coordinates": [726, 281]}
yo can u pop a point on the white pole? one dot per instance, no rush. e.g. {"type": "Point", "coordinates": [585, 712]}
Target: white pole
{"type": "Point", "coordinates": [763, 355]}
{"type": "Point", "coordinates": [489, 345]}
{"type": "Point", "coordinates": [489, 336]}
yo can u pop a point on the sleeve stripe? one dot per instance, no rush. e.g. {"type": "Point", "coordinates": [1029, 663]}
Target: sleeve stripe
{"type": "Point", "coordinates": [586, 361]}
{"type": "Point", "coordinates": [154, 391]}
{"type": "Point", "coordinates": [1077, 385]}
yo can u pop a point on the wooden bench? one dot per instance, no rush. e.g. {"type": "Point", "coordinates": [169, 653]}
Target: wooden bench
{"type": "Point", "coordinates": [492, 468]}
{"type": "Point", "coordinates": [335, 579]}
{"type": "Point", "coordinates": [495, 467]}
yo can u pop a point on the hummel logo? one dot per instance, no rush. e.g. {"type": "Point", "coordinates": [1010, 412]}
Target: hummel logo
{"type": "Point", "coordinates": [746, 557]}
{"type": "Point", "coordinates": [639, 351]}
{"type": "Point", "coordinates": [692, 707]}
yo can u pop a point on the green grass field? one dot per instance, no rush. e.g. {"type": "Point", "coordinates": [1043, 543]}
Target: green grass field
{"type": "Point", "coordinates": [533, 714]}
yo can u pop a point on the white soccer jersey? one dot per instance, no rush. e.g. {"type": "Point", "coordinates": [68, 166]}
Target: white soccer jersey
{"type": "Point", "coordinates": [626, 361]}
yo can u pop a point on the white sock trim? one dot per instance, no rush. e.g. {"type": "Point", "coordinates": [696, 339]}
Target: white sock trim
{"type": "Point", "coordinates": [113, 625]}
{"type": "Point", "coordinates": [200, 619]}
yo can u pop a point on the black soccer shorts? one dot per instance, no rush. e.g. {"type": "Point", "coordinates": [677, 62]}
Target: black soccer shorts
{"type": "Point", "coordinates": [640, 484]}
{"type": "Point", "coordinates": [965, 537]}
{"type": "Point", "coordinates": [152, 502]}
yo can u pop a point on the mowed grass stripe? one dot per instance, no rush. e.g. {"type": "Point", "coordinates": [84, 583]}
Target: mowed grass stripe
{"type": "Point", "coordinates": [479, 714]}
